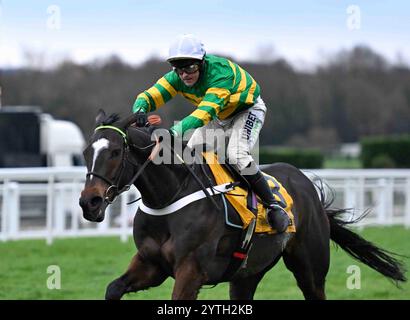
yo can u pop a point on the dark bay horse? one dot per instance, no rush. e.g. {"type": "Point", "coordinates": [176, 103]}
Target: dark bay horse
{"type": "Point", "coordinates": [194, 245]}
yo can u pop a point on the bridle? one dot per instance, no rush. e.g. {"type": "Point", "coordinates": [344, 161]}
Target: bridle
{"type": "Point", "coordinates": [113, 190]}
{"type": "Point", "coordinates": [113, 186]}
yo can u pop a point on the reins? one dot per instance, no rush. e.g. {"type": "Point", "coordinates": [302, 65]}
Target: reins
{"type": "Point", "coordinates": [114, 185]}
{"type": "Point", "coordinates": [199, 182]}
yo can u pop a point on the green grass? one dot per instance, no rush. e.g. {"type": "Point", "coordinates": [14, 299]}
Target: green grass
{"type": "Point", "coordinates": [89, 264]}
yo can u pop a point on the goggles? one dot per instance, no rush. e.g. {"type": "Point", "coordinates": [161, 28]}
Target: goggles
{"type": "Point", "coordinates": [188, 69]}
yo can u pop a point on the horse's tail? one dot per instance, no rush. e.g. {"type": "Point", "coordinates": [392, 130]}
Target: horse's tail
{"type": "Point", "coordinates": [376, 258]}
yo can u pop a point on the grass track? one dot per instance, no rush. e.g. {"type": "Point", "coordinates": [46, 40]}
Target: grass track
{"type": "Point", "coordinates": [89, 264]}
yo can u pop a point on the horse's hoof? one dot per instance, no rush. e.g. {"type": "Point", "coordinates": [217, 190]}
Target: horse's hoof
{"type": "Point", "coordinates": [115, 290]}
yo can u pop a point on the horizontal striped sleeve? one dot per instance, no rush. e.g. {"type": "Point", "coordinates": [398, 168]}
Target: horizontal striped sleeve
{"type": "Point", "coordinates": [156, 96]}
{"type": "Point", "coordinates": [221, 93]}
{"type": "Point", "coordinates": [164, 94]}
{"type": "Point", "coordinates": [192, 98]}
{"type": "Point", "coordinates": [217, 95]}
{"type": "Point", "coordinates": [206, 111]}
{"type": "Point", "coordinates": [228, 111]}
{"type": "Point", "coordinates": [212, 107]}
{"type": "Point", "coordinates": [163, 83]}
{"type": "Point", "coordinates": [189, 122]}
{"type": "Point", "coordinates": [211, 113]}
{"type": "Point", "coordinates": [202, 114]}
{"type": "Point", "coordinates": [142, 103]}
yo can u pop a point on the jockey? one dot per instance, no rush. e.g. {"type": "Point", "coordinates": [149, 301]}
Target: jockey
{"type": "Point", "coordinates": [227, 98]}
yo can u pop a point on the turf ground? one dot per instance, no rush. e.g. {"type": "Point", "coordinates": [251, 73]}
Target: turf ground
{"type": "Point", "coordinates": [88, 264]}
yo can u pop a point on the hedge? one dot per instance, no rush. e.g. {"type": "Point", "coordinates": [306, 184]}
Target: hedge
{"type": "Point", "coordinates": [300, 158]}
{"type": "Point", "coordinates": [386, 152]}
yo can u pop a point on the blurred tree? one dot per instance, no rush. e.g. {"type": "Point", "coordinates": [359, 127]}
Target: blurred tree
{"type": "Point", "coordinates": [354, 94]}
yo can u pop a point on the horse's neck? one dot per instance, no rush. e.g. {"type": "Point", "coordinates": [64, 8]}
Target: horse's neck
{"type": "Point", "coordinates": [159, 183]}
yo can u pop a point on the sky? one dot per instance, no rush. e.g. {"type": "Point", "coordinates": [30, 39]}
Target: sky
{"type": "Point", "coordinates": [305, 33]}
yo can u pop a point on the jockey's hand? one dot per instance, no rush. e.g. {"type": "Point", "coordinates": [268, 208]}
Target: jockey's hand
{"type": "Point", "coordinates": [141, 119]}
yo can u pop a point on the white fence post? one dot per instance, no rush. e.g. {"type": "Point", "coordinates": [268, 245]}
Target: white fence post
{"type": "Point", "coordinates": [4, 204]}
{"type": "Point", "coordinates": [13, 209]}
{"type": "Point", "coordinates": [389, 201]}
{"type": "Point", "coordinates": [382, 201]}
{"type": "Point", "coordinates": [124, 217]}
{"type": "Point", "coordinates": [407, 204]}
{"type": "Point", "coordinates": [59, 213]}
{"type": "Point", "coordinates": [74, 208]}
{"type": "Point", "coordinates": [350, 193]}
{"type": "Point", "coordinates": [10, 211]}
{"type": "Point", "coordinates": [49, 210]}
{"type": "Point", "coordinates": [360, 194]}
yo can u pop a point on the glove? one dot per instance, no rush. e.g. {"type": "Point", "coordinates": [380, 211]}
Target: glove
{"type": "Point", "coordinates": [141, 119]}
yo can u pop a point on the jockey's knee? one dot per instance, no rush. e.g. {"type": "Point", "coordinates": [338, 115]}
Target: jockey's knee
{"type": "Point", "coordinates": [241, 162]}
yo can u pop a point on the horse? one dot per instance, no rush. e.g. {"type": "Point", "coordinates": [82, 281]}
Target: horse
{"type": "Point", "coordinates": [194, 245]}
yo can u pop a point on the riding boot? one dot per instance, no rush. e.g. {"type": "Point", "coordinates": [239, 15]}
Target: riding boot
{"type": "Point", "coordinates": [276, 215]}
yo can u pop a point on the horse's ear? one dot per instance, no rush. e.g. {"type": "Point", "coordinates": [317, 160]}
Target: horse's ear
{"type": "Point", "coordinates": [100, 117]}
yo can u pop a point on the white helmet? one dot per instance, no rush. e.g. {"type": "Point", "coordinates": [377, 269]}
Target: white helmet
{"type": "Point", "coordinates": [186, 46]}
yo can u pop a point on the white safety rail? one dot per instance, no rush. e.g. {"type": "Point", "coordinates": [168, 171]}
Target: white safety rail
{"type": "Point", "coordinates": [43, 202]}
{"type": "Point", "coordinates": [383, 193]}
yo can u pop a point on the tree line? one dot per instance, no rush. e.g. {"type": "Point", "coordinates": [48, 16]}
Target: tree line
{"type": "Point", "coordinates": [355, 93]}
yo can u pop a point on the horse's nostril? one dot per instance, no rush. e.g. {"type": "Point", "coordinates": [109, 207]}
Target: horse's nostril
{"type": "Point", "coordinates": [82, 202]}
{"type": "Point", "coordinates": [96, 201]}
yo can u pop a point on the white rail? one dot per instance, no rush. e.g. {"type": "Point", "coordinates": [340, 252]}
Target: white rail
{"type": "Point", "coordinates": [43, 202]}
{"type": "Point", "coordinates": [385, 193]}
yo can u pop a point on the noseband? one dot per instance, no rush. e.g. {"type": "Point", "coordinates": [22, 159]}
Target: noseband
{"type": "Point", "coordinates": [113, 185]}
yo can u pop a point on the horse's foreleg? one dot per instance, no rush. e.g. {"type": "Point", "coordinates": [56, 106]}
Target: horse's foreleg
{"type": "Point", "coordinates": [141, 274]}
{"type": "Point", "coordinates": [188, 280]}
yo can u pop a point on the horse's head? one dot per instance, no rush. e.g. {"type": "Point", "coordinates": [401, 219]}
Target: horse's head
{"type": "Point", "coordinates": [109, 172]}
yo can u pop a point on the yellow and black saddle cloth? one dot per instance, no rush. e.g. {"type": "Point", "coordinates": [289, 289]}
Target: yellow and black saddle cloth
{"type": "Point", "coordinates": [241, 199]}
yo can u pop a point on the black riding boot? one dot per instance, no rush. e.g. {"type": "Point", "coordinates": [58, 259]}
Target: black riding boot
{"type": "Point", "coordinates": [276, 215]}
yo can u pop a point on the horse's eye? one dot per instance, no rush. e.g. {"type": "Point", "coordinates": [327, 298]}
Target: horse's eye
{"type": "Point", "coordinates": [115, 153]}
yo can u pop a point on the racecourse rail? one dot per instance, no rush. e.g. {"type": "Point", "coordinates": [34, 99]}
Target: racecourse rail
{"type": "Point", "coordinates": [42, 203]}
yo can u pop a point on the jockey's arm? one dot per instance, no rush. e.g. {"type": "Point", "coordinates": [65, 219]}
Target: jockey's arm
{"type": "Point", "coordinates": [214, 101]}
{"type": "Point", "coordinates": [156, 96]}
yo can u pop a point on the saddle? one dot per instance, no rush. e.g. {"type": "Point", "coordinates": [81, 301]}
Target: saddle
{"type": "Point", "coordinates": [243, 199]}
